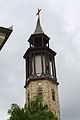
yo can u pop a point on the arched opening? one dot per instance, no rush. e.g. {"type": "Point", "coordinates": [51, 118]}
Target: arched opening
{"type": "Point", "coordinates": [53, 95]}
{"type": "Point", "coordinates": [39, 92]}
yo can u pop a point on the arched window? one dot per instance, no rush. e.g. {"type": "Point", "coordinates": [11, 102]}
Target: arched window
{"type": "Point", "coordinates": [53, 95]}
{"type": "Point", "coordinates": [39, 92]}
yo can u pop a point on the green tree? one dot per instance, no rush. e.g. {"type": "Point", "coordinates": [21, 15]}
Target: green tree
{"type": "Point", "coordinates": [35, 110]}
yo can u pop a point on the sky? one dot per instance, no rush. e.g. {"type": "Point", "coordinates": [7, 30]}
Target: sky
{"type": "Point", "coordinates": [60, 20]}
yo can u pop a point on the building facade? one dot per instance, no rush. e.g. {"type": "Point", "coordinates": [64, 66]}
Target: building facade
{"type": "Point", "coordinates": [4, 35]}
{"type": "Point", "coordinates": [41, 71]}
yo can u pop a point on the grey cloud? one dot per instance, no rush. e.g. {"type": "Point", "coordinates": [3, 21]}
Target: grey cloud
{"type": "Point", "coordinates": [64, 40]}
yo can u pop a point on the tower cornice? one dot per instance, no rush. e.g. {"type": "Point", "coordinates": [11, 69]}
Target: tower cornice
{"type": "Point", "coordinates": [30, 50]}
{"type": "Point", "coordinates": [42, 78]}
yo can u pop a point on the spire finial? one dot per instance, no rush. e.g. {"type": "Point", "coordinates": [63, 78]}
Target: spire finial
{"type": "Point", "coordinates": [38, 13]}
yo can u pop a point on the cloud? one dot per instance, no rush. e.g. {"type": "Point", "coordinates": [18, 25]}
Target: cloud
{"type": "Point", "coordinates": [59, 20]}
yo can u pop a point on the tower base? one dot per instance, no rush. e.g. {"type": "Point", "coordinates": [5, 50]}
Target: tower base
{"type": "Point", "coordinates": [48, 88]}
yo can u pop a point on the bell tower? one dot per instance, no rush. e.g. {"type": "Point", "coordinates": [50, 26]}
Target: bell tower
{"type": "Point", "coordinates": [40, 70]}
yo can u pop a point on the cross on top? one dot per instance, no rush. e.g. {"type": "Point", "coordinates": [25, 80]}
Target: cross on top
{"type": "Point", "coordinates": [38, 13]}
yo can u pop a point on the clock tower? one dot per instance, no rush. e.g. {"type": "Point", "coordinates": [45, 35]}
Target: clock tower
{"type": "Point", "coordinates": [41, 70]}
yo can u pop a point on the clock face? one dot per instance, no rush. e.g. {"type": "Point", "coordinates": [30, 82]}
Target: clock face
{"type": "Point", "coordinates": [39, 83]}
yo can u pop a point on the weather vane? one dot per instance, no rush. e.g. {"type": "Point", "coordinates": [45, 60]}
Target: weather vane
{"type": "Point", "coordinates": [38, 13]}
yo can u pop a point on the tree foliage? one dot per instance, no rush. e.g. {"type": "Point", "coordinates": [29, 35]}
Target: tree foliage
{"type": "Point", "coordinates": [35, 110]}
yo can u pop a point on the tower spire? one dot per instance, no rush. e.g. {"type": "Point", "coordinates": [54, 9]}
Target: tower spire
{"type": "Point", "coordinates": [38, 29]}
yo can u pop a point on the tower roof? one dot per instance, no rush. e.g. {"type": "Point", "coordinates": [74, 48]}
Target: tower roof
{"type": "Point", "coordinates": [38, 29]}
{"type": "Point", "coordinates": [38, 33]}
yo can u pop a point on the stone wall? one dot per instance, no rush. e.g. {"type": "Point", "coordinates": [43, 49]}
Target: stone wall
{"type": "Point", "coordinates": [47, 87]}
